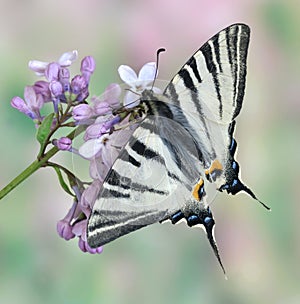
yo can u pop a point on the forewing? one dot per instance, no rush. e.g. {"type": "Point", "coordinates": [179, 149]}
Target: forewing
{"type": "Point", "coordinates": [210, 88]}
{"type": "Point", "coordinates": [212, 82]}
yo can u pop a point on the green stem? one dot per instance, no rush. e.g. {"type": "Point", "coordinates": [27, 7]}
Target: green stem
{"type": "Point", "coordinates": [38, 163]}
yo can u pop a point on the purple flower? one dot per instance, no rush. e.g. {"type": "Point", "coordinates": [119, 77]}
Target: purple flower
{"type": "Point", "coordinates": [92, 147]}
{"type": "Point", "coordinates": [102, 108]}
{"type": "Point", "coordinates": [56, 89]}
{"type": "Point", "coordinates": [84, 246]}
{"type": "Point", "coordinates": [101, 126]}
{"type": "Point", "coordinates": [79, 87]}
{"type": "Point", "coordinates": [82, 112]}
{"type": "Point", "coordinates": [108, 101]}
{"type": "Point", "coordinates": [30, 105]}
{"type": "Point", "coordinates": [94, 131]}
{"type": "Point", "coordinates": [78, 83]}
{"type": "Point", "coordinates": [41, 87]}
{"type": "Point", "coordinates": [52, 70]}
{"type": "Point", "coordinates": [64, 78]}
{"type": "Point", "coordinates": [137, 83]}
{"type": "Point", "coordinates": [64, 228]}
{"type": "Point", "coordinates": [64, 143]}
{"type": "Point", "coordinates": [88, 66]}
{"type": "Point", "coordinates": [72, 225]}
{"type": "Point", "coordinates": [79, 229]}
{"type": "Point", "coordinates": [19, 104]}
{"type": "Point", "coordinates": [90, 195]}
{"type": "Point", "coordinates": [98, 170]}
{"type": "Point", "coordinates": [66, 59]}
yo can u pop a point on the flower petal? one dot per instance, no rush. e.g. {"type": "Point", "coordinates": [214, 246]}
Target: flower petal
{"type": "Point", "coordinates": [118, 139]}
{"type": "Point", "coordinates": [109, 155]}
{"type": "Point", "coordinates": [127, 74]}
{"type": "Point", "coordinates": [37, 66]}
{"type": "Point", "coordinates": [112, 91]}
{"type": "Point", "coordinates": [67, 58]}
{"type": "Point", "coordinates": [30, 96]}
{"type": "Point", "coordinates": [19, 104]}
{"type": "Point", "coordinates": [98, 170]}
{"type": "Point", "coordinates": [90, 194]}
{"type": "Point", "coordinates": [131, 100]}
{"type": "Point", "coordinates": [147, 72]}
{"type": "Point", "coordinates": [90, 148]}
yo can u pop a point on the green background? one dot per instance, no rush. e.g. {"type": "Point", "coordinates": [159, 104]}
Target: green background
{"type": "Point", "coordinates": [163, 263]}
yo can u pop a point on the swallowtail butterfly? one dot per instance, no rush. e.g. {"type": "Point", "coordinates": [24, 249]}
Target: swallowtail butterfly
{"type": "Point", "coordinates": [183, 143]}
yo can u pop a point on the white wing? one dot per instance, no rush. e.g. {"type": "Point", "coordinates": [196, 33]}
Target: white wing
{"type": "Point", "coordinates": [152, 179]}
{"type": "Point", "coordinates": [212, 82]}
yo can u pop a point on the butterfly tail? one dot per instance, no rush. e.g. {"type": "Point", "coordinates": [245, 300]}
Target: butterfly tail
{"type": "Point", "coordinates": [233, 184]}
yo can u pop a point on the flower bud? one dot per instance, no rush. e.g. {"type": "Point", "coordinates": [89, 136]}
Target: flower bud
{"type": "Point", "coordinates": [51, 71]}
{"type": "Point", "coordinates": [56, 88]}
{"type": "Point", "coordinates": [82, 112]}
{"type": "Point", "coordinates": [84, 246]}
{"type": "Point", "coordinates": [64, 78]}
{"type": "Point", "coordinates": [88, 66]}
{"type": "Point", "coordinates": [19, 104]}
{"type": "Point", "coordinates": [78, 83]}
{"type": "Point", "coordinates": [64, 230]}
{"type": "Point", "coordinates": [38, 67]}
{"type": "Point", "coordinates": [102, 108]}
{"type": "Point", "coordinates": [66, 59]}
{"type": "Point", "coordinates": [90, 194]}
{"type": "Point", "coordinates": [41, 87]}
{"type": "Point", "coordinates": [64, 143]}
{"type": "Point", "coordinates": [93, 131]}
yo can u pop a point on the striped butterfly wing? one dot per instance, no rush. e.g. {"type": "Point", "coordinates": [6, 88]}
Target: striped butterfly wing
{"type": "Point", "coordinates": [187, 134]}
{"type": "Point", "coordinates": [212, 82]}
{"type": "Point", "coordinates": [151, 180]}
{"type": "Point", "coordinates": [210, 87]}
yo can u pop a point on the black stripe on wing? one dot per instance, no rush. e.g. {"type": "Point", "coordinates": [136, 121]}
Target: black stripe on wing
{"type": "Point", "coordinates": [174, 112]}
{"type": "Point", "coordinates": [127, 157]}
{"type": "Point", "coordinates": [242, 56]}
{"type": "Point", "coordinates": [126, 183]}
{"type": "Point", "coordinates": [108, 225]}
{"type": "Point", "coordinates": [224, 53]}
{"type": "Point", "coordinates": [214, 68]}
{"type": "Point", "coordinates": [192, 62]}
{"type": "Point", "coordinates": [231, 42]}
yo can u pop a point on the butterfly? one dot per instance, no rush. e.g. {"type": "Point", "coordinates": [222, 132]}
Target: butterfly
{"type": "Point", "coordinates": [184, 143]}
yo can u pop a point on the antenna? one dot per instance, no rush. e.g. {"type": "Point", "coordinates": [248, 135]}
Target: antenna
{"type": "Point", "coordinates": [157, 62]}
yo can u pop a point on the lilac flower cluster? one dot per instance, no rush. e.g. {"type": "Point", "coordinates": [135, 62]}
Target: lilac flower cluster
{"type": "Point", "coordinates": [57, 88]}
{"type": "Point", "coordinates": [102, 117]}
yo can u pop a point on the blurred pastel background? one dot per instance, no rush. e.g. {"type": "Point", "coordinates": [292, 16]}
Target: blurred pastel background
{"type": "Point", "coordinates": [163, 263]}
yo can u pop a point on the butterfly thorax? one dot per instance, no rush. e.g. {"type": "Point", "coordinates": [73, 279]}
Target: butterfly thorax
{"type": "Point", "coordinates": [156, 104]}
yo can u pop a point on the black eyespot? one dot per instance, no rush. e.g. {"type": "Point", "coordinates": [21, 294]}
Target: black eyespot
{"type": "Point", "coordinates": [209, 222]}
{"type": "Point", "coordinates": [193, 220]}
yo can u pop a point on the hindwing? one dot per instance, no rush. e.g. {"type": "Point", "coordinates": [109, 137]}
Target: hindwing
{"type": "Point", "coordinates": [151, 179]}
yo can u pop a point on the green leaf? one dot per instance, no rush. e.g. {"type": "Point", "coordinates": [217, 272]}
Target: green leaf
{"type": "Point", "coordinates": [44, 129]}
{"type": "Point", "coordinates": [62, 182]}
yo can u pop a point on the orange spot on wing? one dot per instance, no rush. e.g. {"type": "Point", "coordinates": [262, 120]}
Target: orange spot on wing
{"type": "Point", "coordinates": [197, 188]}
{"type": "Point", "coordinates": [216, 165]}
